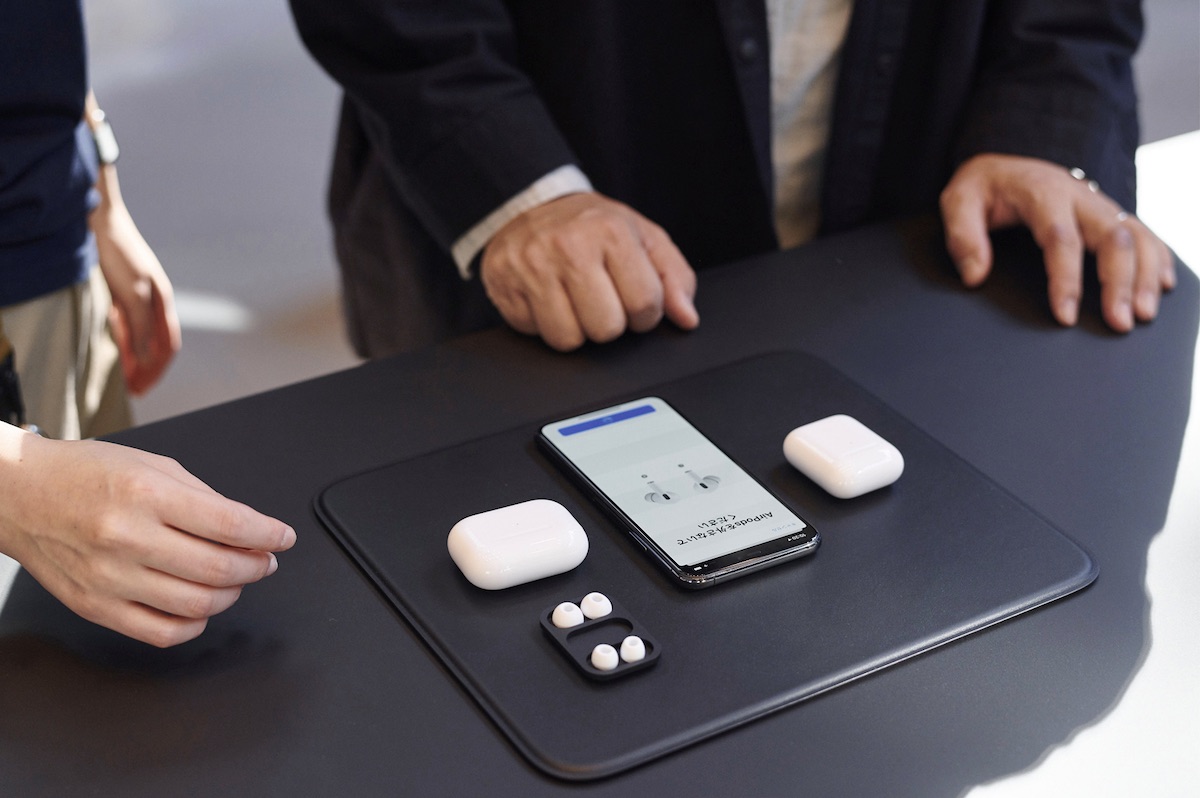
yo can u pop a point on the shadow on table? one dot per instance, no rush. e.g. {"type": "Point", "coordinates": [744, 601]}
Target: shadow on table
{"type": "Point", "coordinates": [128, 715]}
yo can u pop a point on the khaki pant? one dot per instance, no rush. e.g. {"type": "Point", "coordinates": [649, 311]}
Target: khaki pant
{"type": "Point", "coordinates": [67, 361]}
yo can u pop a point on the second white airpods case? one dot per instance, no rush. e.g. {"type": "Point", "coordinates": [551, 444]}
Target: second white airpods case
{"type": "Point", "coordinates": [843, 456]}
{"type": "Point", "coordinates": [517, 544]}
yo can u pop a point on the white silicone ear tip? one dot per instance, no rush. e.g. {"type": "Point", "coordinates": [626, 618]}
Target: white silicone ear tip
{"type": "Point", "coordinates": [595, 605]}
{"type": "Point", "coordinates": [566, 615]}
{"type": "Point", "coordinates": [633, 649]}
{"type": "Point", "coordinates": [604, 657]}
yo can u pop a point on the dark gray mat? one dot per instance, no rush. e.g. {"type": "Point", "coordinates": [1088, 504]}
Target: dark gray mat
{"type": "Point", "coordinates": [941, 554]}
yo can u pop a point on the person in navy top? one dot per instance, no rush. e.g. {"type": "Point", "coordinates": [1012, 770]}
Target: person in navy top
{"type": "Point", "coordinates": [61, 217]}
{"type": "Point", "coordinates": [126, 539]}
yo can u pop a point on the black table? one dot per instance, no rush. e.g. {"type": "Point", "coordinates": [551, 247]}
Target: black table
{"type": "Point", "coordinates": [312, 684]}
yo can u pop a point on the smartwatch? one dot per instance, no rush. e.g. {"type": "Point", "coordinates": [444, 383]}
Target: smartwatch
{"type": "Point", "coordinates": [102, 133]}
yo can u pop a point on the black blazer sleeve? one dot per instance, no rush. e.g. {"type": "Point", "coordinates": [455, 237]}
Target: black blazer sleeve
{"type": "Point", "coordinates": [1055, 81]}
{"type": "Point", "coordinates": [459, 126]}
{"type": "Point", "coordinates": [926, 84]}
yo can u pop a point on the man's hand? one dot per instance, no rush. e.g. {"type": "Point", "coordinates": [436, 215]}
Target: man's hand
{"type": "Point", "coordinates": [127, 539]}
{"type": "Point", "coordinates": [584, 267]}
{"type": "Point", "coordinates": [1066, 216]}
{"type": "Point", "coordinates": [145, 325]}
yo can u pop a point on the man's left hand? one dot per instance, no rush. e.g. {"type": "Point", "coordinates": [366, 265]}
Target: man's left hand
{"type": "Point", "coordinates": [1068, 216]}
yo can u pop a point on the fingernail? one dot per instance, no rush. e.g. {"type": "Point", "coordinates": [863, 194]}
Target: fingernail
{"type": "Point", "coordinates": [1147, 305]}
{"type": "Point", "coordinates": [688, 318]}
{"type": "Point", "coordinates": [970, 269]}
{"type": "Point", "coordinates": [1124, 315]}
{"type": "Point", "coordinates": [1067, 311]}
{"type": "Point", "coordinates": [289, 538]}
{"type": "Point", "coordinates": [274, 566]}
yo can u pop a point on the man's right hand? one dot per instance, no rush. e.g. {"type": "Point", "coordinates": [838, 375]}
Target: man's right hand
{"type": "Point", "coordinates": [587, 268]}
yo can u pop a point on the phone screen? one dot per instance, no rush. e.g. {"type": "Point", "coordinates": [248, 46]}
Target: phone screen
{"type": "Point", "coordinates": [696, 505]}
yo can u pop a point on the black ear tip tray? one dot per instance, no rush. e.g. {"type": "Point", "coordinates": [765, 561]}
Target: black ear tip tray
{"type": "Point", "coordinates": [577, 642]}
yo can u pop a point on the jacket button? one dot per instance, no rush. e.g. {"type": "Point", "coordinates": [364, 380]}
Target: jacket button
{"type": "Point", "coordinates": [748, 49]}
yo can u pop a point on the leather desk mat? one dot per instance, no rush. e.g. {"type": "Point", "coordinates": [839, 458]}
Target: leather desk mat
{"type": "Point", "coordinates": [940, 554]}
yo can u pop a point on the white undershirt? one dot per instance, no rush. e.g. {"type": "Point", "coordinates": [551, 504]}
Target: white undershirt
{"type": "Point", "coordinates": [806, 38]}
{"type": "Point", "coordinates": [806, 45]}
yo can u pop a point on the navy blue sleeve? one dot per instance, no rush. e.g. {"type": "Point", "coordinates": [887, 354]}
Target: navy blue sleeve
{"type": "Point", "coordinates": [47, 162]}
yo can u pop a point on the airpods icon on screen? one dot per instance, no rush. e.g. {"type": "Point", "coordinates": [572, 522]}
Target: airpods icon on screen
{"type": "Point", "coordinates": [658, 495]}
{"type": "Point", "coordinates": [703, 484]}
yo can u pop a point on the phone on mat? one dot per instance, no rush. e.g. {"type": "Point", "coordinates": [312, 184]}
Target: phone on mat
{"type": "Point", "coordinates": [700, 515]}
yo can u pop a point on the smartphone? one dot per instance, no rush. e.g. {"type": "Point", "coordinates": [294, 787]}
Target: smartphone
{"type": "Point", "coordinates": [700, 515]}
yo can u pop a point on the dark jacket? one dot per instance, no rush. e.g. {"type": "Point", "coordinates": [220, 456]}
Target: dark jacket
{"type": "Point", "coordinates": [452, 108]}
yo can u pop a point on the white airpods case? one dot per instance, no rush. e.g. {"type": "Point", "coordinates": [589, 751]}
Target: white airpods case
{"type": "Point", "coordinates": [843, 456]}
{"type": "Point", "coordinates": [517, 544]}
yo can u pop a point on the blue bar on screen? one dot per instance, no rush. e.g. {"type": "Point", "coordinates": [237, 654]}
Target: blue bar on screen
{"type": "Point", "coordinates": [604, 421]}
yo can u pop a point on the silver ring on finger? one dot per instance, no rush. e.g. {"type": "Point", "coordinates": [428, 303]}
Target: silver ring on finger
{"type": "Point", "coordinates": [1082, 177]}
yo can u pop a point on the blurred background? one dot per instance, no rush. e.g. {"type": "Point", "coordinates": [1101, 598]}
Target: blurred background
{"type": "Point", "coordinates": [226, 126]}
{"type": "Point", "coordinates": [226, 129]}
